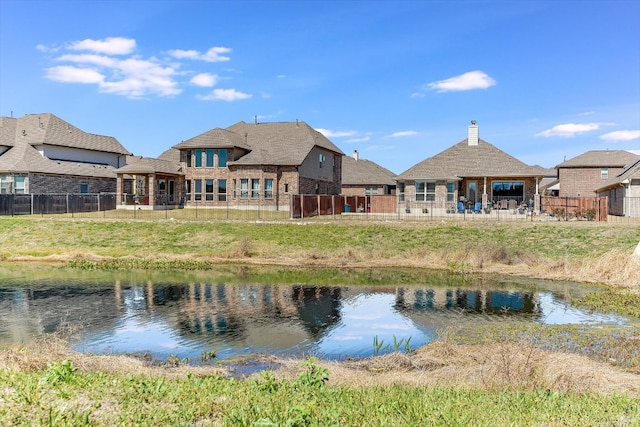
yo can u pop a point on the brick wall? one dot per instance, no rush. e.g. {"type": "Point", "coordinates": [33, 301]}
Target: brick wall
{"type": "Point", "coordinates": [581, 181]}
{"type": "Point", "coordinates": [51, 184]}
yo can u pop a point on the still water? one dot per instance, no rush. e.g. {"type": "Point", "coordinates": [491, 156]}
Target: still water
{"type": "Point", "coordinates": [329, 314]}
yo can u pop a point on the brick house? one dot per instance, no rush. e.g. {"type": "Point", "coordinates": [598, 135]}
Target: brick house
{"type": "Point", "coordinates": [148, 182]}
{"type": "Point", "coordinates": [43, 154]}
{"type": "Point", "coordinates": [582, 175]}
{"type": "Point", "coordinates": [259, 164]}
{"type": "Point", "coordinates": [623, 191]}
{"type": "Point", "coordinates": [472, 171]}
{"type": "Point", "coordinates": [366, 178]}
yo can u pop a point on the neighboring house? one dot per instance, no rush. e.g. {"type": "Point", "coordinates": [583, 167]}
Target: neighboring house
{"type": "Point", "coordinates": [43, 154]}
{"type": "Point", "coordinates": [472, 171]}
{"type": "Point", "coordinates": [259, 164]}
{"type": "Point", "coordinates": [366, 178]}
{"type": "Point", "coordinates": [583, 174]}
{"type": "Point", "coordinates": [623, 191]}
{"type": "Point", "coordinates": [549, 184]}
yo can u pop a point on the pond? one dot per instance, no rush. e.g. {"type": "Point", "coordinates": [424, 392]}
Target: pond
{"type": "Point", "coordinates": [327, 313]}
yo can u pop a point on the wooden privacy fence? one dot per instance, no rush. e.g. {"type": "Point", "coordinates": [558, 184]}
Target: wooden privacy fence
{"type": "Point", "coordinates": [580, 208]}
{"type": "Point", "coordinates": [309, 205]}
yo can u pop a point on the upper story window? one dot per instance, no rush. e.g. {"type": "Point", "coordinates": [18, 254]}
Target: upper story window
{"type": "Point", "coordinates": [84, 188]}
{"type": "Point", "coordinates": [322, 159]}
{"type": "Point", "coordinates": [604, 173]}
{"type": "Point", "coordinates": [185, 156]}
{"type": "Point", "coordinates": [222, 158]}
{"type": "Point", "coordinates": [209, 157]}
{"type": "Point", "coordinates": [198, 158]}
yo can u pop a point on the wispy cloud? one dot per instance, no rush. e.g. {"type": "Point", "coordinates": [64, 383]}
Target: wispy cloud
{"type": "Point", "coordinates": [111, 64]}
{"type": "Point", "coordinates": [363, 139]}
{"type": "Point", "coordinates": [380, 147]}
{"type": "Point", "coordinates": [403, 134]}
{"type": "Point", "coordinates": [215, 54]}
{"type": "Point", "coordinates": [225, 95]}
{"type": "Point", "coordinates": [108, 46]}
{"type": "Point", "coordinates": [467, 81]}
{"type": "Point", "coordinates": [336, 134]}
{"type": "Point", "coordinates": [204, 80]}
{"type": "Point", "coordinates": [621, 135]}
{"type": "Point", "coordinates": [569, 130]}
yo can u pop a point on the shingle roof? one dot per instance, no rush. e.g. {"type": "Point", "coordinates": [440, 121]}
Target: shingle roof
{"type": "Point", "coordinates": [464, 160]}
{"type": "Point", "coordinates": [365, 172]}
{"type": "Point", "coordinates": [48, 129]}
{"type": "Point", "coordinates": [25, 133]}
{"type": "Point", "coordinates": [600, 159]}
{"type": "Point", "coordinates": [631, 171]}
{"type": "Point", "coordinates": [148, 165]}
{"type": "Point", "coordinates": [287, 143]}
{"type": "Point", "coordinates": [170, 155]}
{"type": "Point", "coordinates": [215, 138]}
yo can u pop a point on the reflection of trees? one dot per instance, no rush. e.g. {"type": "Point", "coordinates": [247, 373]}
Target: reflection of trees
{"type": "Point", "coordinates": [318, 307]}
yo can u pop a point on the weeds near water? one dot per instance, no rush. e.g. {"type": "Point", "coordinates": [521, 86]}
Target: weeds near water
{"type": "Point", "coordinates": [59, 372]}
{"type": "Point", "coordinates": [398, 345]}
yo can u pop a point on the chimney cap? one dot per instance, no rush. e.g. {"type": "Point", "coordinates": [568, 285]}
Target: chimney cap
{"type": "Point", "coordinates": [473, 122]}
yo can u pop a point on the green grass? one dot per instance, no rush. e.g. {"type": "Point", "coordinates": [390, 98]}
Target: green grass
{"type": "Point", "coordinates": [40, 237]}
{"type": "Point", "coordinates": [97, 399]}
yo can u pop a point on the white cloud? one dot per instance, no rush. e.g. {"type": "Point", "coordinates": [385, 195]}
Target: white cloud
{"type": "Point", "coordinates": [103, 61]}
{"type": "Point", "coordinates": [212, 55]}
{"type": "Point", "coordinates": [204, 80]}
{"type": "Point", "coordinates": [109, 45]}
{"type": "Point", "coordinates": [363, 139]}
{"type": "Point", "coordinates": [403, 133]}
{"type": "Point", "coordinates": [380, 147]}
{"type": "Point", "coordinates": [569, 130]}
{"type": "Point", "coordinates": [69, 74]}
{"type": "Point", "coordinates": [621, 135]}
{"type": "Point", "coordinates": [225, 95]}
{"type": "Point", "coordinates": [335, 134]}
{"type": "Point", "coordinates": [467, 81]}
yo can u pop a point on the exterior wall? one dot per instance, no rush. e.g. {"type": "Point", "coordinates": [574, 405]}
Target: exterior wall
{"type": "Point", "coordinates": [634, 188]}
{"type": "Point", "coordinates": [79, 155]}
{"type": "Point", "coordinates": [615, 204]}
{"type": "Point", "coordinates": [361, 190]}
{"type": "Point", "coordinates": [310, 167]}
{"type": "Point", "coordinates": [575, 182]}
{"type": "Point", "coordinates": [50, 184]}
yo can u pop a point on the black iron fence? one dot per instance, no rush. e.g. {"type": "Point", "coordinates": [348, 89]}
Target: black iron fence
{"type": "Point", "coordinates": [30, 204]}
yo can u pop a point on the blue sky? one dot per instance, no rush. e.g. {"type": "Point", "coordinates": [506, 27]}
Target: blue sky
{"type": "Point", "coordinates": [399, 81]}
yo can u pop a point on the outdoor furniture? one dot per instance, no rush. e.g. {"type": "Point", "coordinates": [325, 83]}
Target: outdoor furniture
{"type": "Point", "coordinates": [513, 205]}
{"type": "Point", "coordinates": [477, 208]}
{"type": "Point", "coordinates": [502, 204]}
{"type": "Point", "coordinates": [460, 207]}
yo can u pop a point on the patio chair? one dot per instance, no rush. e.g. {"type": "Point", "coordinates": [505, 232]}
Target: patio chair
{"type": "Point", "coordinates": [513, 205]}
{"type": "Point", "coordinates": [460, 207]}
{"type": "Point", "coordinates": [477, 208]}
{"type": "Point", "coordinates": [502, 204]}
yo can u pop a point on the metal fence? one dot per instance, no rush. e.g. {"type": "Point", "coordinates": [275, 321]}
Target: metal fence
{"type": "Point", "coordinates": [300, 207]}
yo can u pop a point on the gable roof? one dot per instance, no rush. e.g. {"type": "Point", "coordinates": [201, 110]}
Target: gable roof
{"type": "Point", "coordinates": [464, 160]}
{"type": "Point", "coordinates": [631, 171]}
{"type": "Point", "coordinates": [365, 172]}
{"type": "Point", "coordinates": [285, 143]}
{"type": "Point", "coordinates": [600, 159]}
{"type": "Point", "coordinates": [48, 129]}
{"type": "Point", "coordinates": [214, 138]}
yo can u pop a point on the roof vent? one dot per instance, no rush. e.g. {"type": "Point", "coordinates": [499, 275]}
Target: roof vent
{"type": "Point", "coordinates": [472, 139]}
{"type": "Point", "coordinates": [355, 154]}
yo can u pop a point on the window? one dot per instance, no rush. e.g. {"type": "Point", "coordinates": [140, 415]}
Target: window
{"type": "Point", "coordinates": [208, 189]}
{"type": "Point", "coordinates": [197, 184]}
{"type": "Point", "coordinates": [507, 190]}
{"type": "Point", "coordinates": [185, 156]}
{"type": "Point", "coordinates": [451, 188]}
{"type": "Point", "coordinates": [286, 188]}
{"type": "Point", "coordinates": [255, 188]}
{"type": "Point", "coordinates": [222, 190]}
{"type": "Point", "coordinates": [234, 188]}
{"type": "Point", "coordinates": [368, 191]}
{"type": "Point", "coordinates": [4, 186]}
{"type": "Point", "coordinates": [401, 191]}
{"type": "Point", "coordinates": [84, 188]}
{"type": "Point", "coordinates": [222, 158]}
{"type": "Point", "coordinates": [187, 189]}
{"type": "Point", "coordinates": [18, 185]}
{"type": "Point", "coordinates": [209, 157]}
{"type": "Point", "coordinates": [322, 159]}
{"type": "Point", "coordinates": [425, 191]}
{"type": "Point", "coordinates": [244, 188]}
{"type": "Point", "coordinates": [268, 188]}
{"type": "Point", "coordinates": [198, 158]}
{"type": "Point", "coordinates": [604, 173]}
